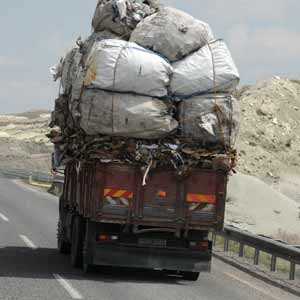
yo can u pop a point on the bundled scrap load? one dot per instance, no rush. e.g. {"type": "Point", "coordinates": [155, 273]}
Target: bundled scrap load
{"type": "Point", "coordinates": [150, 87]}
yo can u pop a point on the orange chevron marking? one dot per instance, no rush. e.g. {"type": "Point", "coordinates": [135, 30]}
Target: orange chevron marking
{"type": "Point", "coordinates": [118, 194]}
{"type": "Point", "coordinates": [198, 198]}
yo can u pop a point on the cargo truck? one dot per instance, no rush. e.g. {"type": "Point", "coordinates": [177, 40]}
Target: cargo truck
{"type": "Point", "coordinates": [108, 217]}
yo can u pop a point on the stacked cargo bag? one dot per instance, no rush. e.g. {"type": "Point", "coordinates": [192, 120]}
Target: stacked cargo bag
{"type": "Point", "coordinates": [211, 69]}
{"type": "Point", "coordinates": [153, 79]}
{"type": "Point", "coordinates": [95, 37]}
{"type": "Point", "coordinates": [120, 66]}
{"type": "Point", "coordinates": [212, 120]}
{"type": "Point", "coordinates": [172, 33]}
{"type": "Point", "coordinates": [116, 93]}
{"type": "Point", "coordinates": [125, 115]}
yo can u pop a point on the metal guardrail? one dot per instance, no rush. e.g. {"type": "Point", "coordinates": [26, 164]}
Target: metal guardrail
{"type": "Point", "coordinates": [27, 174]}
{"type": "Point", "coordinates": [277, 249]}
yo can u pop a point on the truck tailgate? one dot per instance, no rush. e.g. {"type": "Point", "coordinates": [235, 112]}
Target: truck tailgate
{"type": "Point", "coordinates": [114, 193]}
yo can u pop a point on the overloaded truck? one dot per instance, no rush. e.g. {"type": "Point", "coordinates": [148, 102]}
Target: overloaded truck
{"type": "Point", "coordinates": [107, 218]}
{"type": "Point", "coordinates": [145, 125]}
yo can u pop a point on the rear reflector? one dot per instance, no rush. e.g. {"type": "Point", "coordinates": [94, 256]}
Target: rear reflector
{"type": "Point", "coordinates": [198, 198]}
{"type": "Point", "coordinates": [118, 194]}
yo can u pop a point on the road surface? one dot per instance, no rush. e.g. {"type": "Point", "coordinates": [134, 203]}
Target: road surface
{"type": "Point", "coordinates": [31, 268]}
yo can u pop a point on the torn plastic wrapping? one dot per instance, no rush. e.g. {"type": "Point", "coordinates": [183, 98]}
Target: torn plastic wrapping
{"type": "Point", "coordinates": [121, 66]}
{"type": "Point", "coordinates": [172, 33]}
{"type": "Point", "coordinates": [57, 70]}
{"type": "Point", "coordinates": [70, 70]}
{"type": "Point", "coordinates": [121, 16]}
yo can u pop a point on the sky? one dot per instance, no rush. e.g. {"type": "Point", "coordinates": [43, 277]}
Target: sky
{"type": "Point", "coordinates": [263, 36]}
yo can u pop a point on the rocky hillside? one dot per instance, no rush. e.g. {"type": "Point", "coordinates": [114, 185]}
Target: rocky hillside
{"type": "Point", "coordinates": [23, 143]}
{"type": "Point", "coordinates": [269, 140]}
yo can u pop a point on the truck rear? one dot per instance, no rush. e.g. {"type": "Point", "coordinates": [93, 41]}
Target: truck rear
{"type": "Point", "coordinates": [108, 217]}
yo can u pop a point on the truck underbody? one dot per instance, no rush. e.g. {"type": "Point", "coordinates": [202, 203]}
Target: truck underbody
{"type": "Point", "coordinates": [108, 218]}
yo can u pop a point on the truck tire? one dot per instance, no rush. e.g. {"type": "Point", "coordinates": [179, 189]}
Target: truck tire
{"type": "Point", "coordinates": [190, 276]}
{"type": "Point", "coordinates": [63, 246]}
{"type": "Point", "coordinates": [77, 242]}
{"type": "Point", "coordinates": [87, 267]}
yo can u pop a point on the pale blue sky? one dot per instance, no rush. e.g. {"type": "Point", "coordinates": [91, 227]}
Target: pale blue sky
{"type": "Point", "coordinates": [263, 35]}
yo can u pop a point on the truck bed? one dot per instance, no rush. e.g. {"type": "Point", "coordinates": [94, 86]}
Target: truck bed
{"type": "Point", "coordinates": [113, 193]}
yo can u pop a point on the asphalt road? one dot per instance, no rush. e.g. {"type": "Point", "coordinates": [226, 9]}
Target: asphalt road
{"type": "Point", "coordinates": [31, 268]}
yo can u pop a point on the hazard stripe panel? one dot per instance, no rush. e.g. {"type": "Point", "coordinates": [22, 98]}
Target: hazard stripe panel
{"type": "Point", "coordinates": [118, 194]}
{"type": "Point", "coordinates": [198, 198]}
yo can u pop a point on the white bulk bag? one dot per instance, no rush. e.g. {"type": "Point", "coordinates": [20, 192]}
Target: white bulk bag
{"type": "Point", "coordinates": [212, 120]}
{"type": "Point", "coordinates": [121, 66]}
{"type": "Point", "coordinates": [125, 115]}
{"type": "Point", "coordinates": [93, 38]}
{"type": "Point", "coordinates": [210, 69]}
{"type": "Point", "coordinates": [172, 33]}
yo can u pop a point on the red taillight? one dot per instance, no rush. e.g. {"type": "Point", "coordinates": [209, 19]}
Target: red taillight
{"type": "Point", "coordinates": [107, 238]}
{"type": "Point", "coordinates": [199, 245]}
{"type": "Point", "coordinates": [162, 194]}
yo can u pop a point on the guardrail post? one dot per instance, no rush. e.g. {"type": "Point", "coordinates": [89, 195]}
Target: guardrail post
{"type": "Point", "coordinates": [241, 251]}
{"type": "Point", "coordinates": [292, 271]}
{"type": "Point", "coordinates": [273, 263]}
{"type": "Point", "coordinates": [226, 244]}
{"type": "Point", "coordinates": [256, 257]}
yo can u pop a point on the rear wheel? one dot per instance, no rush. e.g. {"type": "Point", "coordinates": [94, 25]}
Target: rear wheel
{"type": "Point", "coordinates": [63, 246]}
{"type": "Point", "coordinates": [86, 265]}
{"type": "Point", "coordinates": [77, 242]}
{"type": "Point", "coordinates": [190, 276]}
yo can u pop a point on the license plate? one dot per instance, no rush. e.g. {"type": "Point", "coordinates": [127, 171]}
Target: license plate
{"type": "Point", "coordinates": [153, 242]}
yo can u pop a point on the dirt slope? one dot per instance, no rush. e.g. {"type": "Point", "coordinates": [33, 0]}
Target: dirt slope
{"type": "Point", "coordinates": [269, 140]}
{"type": "Point", "coordinates": [23, 143]}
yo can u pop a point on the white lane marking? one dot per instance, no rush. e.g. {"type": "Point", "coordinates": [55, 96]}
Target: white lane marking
{"type": "Point", "coordinates": [28, 242]}
{"type": "Point", "coordinates": [4, 218]}
{"type": "Point", "coordinates": [68, 287]}
{"type": "Point", "coordinates": [251, 285]}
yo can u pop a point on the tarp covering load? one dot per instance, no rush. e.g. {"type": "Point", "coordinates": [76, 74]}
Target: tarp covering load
{"type": "Point", "coordinates": [122, 16]}
{"type": "Point", "coordinates": [209, 70]}
{"type": "Point", "coordinates": [121, 66]}
{"type": "Point", "coordinates": [126, 115]}
{"type": "Point", "coordinates": [211, 119]}
{"type": "Point", "coordinates": [172, 33]}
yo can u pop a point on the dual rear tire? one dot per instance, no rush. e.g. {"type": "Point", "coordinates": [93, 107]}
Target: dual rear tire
{"type": "Point", "coordinates": [77, 237]}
